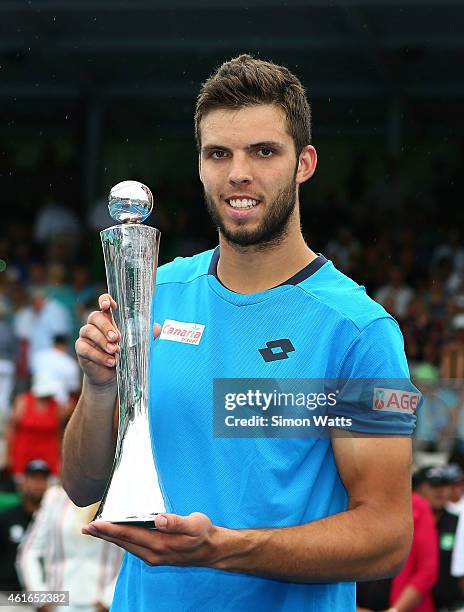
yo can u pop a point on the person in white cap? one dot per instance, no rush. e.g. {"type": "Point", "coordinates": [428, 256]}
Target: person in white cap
{"type": "Point", "coordinates": [56, 362]}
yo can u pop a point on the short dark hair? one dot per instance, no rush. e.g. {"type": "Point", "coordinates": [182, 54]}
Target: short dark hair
{"type": "Point", "coordinates": [60, 339]}
{"type": "Point", "coordinates": [247, 81]}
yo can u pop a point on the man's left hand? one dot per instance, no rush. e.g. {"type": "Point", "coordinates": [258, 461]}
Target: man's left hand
{"type": "Point", "coordinates": [178, 540]}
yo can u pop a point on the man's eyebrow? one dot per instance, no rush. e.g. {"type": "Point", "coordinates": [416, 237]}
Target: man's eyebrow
{"type": "Point", "coordinates": [214, 147]}
{"type": "Point", "coordinates": [267, 144]}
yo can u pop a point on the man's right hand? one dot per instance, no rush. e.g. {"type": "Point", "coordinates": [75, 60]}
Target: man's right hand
{"type": "Point", "coordinates": [98, 344]}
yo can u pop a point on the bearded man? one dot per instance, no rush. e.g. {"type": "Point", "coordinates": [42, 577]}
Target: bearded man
{"type": "Point", "coordinates": [264, 522]}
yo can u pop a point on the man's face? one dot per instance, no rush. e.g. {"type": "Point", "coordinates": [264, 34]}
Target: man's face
{"type": "Point", "coordinates": [248, 169]}
{"type": "Point", "coordinates": [438, 495]}
{"type": "Point", "coordinates": [38, 302]}
{"type": "Point", "coordinates": [34, 486]}
{"type": "Point", "coordinates": [457, 490]}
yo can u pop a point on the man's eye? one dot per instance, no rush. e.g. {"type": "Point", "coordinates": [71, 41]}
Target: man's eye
{"type": "Point", "coordinates": [265, 152]}
{"type": "Point", "coordinates": [218, 154]}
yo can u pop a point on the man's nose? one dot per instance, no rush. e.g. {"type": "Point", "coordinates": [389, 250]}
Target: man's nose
{"type": "Point", "coordinates": [240, 171]}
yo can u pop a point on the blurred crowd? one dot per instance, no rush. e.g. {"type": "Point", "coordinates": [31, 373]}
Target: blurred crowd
{"type": "Point", "coordinates": [400, 238]}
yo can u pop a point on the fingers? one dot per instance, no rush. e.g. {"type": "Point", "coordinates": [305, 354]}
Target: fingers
{"type": "Point", "coordinates": [106, 302]}
{"type": "Point", "coordinates": [122, 533]}
{"type": "Point", "coordinates": [99, 339]}
{"type": "Point", "coordinates": [143, 552]}
{"type": "Point", "coordinates": [93, 342]}
{"type": "Point", "coordinates": [87, 350]}
{"type": "Point", "coordinates": [153, 547]}
{"type": "Point", "coordinates": [180, 544]}
{"type": "Point", "coordinates": [104, 330]}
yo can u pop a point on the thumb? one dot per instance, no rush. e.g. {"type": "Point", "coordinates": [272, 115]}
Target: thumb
{"type": "Point", "coordinates": [156, 330]}
{"type": "Point", "coordinates": [194, 524]}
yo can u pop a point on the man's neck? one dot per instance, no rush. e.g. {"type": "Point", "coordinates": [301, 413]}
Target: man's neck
{"type": "Point", "coordinates": [30, 505]}
{"type": "Point", "coordinates": [438, 514]}
{"type": "Point", "coordinates": [250, 270]}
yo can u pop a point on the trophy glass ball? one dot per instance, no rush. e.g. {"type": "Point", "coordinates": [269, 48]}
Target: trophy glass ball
{"type": "Point", "coordinates": [130, 202]}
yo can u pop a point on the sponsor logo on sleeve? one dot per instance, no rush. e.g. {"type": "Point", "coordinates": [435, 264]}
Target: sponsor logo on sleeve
{"type": "Point", "coordinates": [395, 400]}
{"type": "Point", "coordinates": [179, 331]}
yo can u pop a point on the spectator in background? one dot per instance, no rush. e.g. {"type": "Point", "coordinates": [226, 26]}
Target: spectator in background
{"type": "Point", "coordinates": [457, 452]}
{"type": "Point", "coordinates": [57, 288]}
{"type": "Point", "coordinates": [411, 589]}
{"type": "Point", "coordinates": [451, 250]}
{"type": "Point", "coordinates": [87, 567]}
{"type": "Point", "coordinates": [456, 503]}
{"type": "Point", "coordinates": [373, 595]}
{"type": "Point", "coordinates": [38, 323]}
{"type": "Point", "coordinates": [20, 262]}
{"type": "Point", "coordinates": [419, 329]}
{"type": "Point", "coordinates": [436, 419]}
{"type": "Point", "coordinates": [37, 276]}
{"type": "Point", "coordinates": [58, 229]}
{"type": "Point", "coordinates": [396, 295]}
{"type": "Point", "coordinates": [8, 355]}
{"type": "Point", "coordinates": [18, 300]}
{"type": "Point", "coordinates": [83, 291]}
{"type": "Point", "coordinates": [434, 485]}
{"type": "Point", "coordinates": [57, 364]}
{"type": "Point", "coordinates": [15, 520]}
{"type": "Point", "coordinates": [457, 299]}
{"type": "Point", "coordinates": [435, 295]}
{"type": "Point", "coordinates": [35, 426]}
{"type": "Point", "coordinates": [453, 350]}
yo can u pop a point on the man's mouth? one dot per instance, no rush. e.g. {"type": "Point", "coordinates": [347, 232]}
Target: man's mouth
{"type": "Point", "coordinates": [235, 202]}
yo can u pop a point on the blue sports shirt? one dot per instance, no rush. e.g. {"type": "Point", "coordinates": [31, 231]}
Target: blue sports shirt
{"type": "Point", "coordinates": [334, 330]}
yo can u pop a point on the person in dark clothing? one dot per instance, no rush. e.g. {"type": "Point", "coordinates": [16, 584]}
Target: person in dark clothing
{"type": "Point", "coordinates": [434, 484]}
{"type": "Point", "coordinates": [15, 520]}
{"type": "Point", "coordinates": [373, 595]}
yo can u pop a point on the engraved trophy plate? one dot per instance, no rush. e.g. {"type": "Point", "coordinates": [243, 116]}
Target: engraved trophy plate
{"type": "Point", "coordinates": [133, 494]}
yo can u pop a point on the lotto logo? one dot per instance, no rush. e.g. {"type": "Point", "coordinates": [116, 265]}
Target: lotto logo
{"type": "Point", "coordinates": [395, 400]}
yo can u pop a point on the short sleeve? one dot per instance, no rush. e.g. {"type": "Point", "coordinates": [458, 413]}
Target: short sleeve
{"type": "Point", "coordinates": [374, 389]}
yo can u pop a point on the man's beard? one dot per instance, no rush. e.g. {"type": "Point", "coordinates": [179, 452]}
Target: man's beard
{"type": "Point", "coordinates": [272, 229]}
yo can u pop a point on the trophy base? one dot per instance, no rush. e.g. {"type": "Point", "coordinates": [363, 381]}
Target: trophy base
{"type": "Point", "coordinates": [147, 521]}
{"type": "Point", "coordinates": [135, 522]}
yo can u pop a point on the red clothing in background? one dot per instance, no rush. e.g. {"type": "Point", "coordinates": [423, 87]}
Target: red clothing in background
{"type": "Point", "coordinates": [421, 568]}
{"type": "Point", "coordinates": [36, 434]}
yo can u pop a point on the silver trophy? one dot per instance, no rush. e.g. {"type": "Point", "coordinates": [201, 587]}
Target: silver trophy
{"type": "Point", "coordinates": [133, 493]}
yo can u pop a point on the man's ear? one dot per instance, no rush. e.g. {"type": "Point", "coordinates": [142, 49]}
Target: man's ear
{"type": "Point", "coordinates": [306, 164]}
